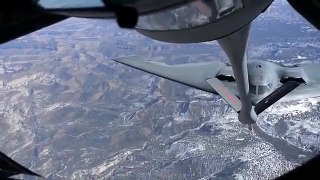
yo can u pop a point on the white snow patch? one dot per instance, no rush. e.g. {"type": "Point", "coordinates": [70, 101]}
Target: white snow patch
{"type": "Point", "coordinates": [181, 118]}
{"type": "Point", "coordinates": [238, 177]}
{"type": "Point", "coordinates": [313, 101]}
{"type": "Point", "coordinates": [42, 78]}
{"type": "Point", "coordinates": [293, 109]}
{"type": "Point", "coordinates": [185, 149]}
{"type": "Point", "coordinates": [57, 106]}
{"type": "Point", "coordinates": [109, 165]}
{"type": "Point", "coordinates": [45, 152]}
{"type": "Point", "coordinates": [301, 57]}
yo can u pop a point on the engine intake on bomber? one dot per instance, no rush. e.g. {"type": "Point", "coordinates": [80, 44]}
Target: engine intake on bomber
{"type": "Point", "coordinates": [226, 74]}
{"type": "Point", "coordinates": [295, 79]}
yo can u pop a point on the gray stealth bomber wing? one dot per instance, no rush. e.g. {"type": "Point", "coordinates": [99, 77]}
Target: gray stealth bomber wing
{"type": "Point", "coordinates": [203, 76]}
{"type": "Point", "coordinates": [306, 73]}
{"type": "Point", "coordinates": [192, 74]}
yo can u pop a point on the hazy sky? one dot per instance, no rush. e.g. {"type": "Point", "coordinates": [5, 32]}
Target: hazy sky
{"type": "Point", "coordinates": [70, 3]}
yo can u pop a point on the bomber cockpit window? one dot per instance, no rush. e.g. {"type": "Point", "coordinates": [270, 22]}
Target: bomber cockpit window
{"type": "Point", "coordinates": [196, 13]}
{"type": "Point", "coordinates": [263, 89]}
{"type": "Point", "coordinates": [260, 89]}
{"type": "Point", "coordinates": [252, 89]}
